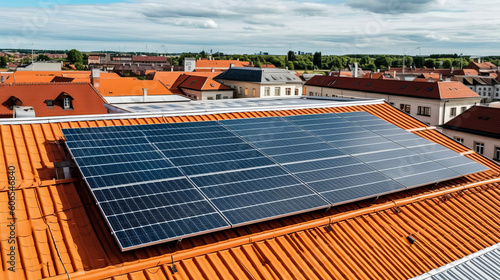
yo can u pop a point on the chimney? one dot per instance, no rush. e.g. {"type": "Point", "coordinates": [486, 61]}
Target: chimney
{"type": "Point", "coordinates": [95, 77]}
{"type": "Point", "coordinates": [172, 68]}
{"type": "Point", "coordinates": [238, 59]}
{"type": "Point", "coordinates": [144, 94]}
{"type": "Point", "coordinates": [2, 80]}
{"type": "Point", "coordinates": [286, 67]}
{"type": "Point", "coordinates": [452, 69]}
{"type": "Point", "coordinates": [371, 74]}
{"type": "Point", "coordinates": [440, 77]}
{"type": "Point", "coordinates": [355, 70]}
{"type": "Point", "coordinates": [430, 80]}
{"type": "Point", "coordinates": [212, 70]}
{"type": "Point", "coordinates": [231, 65]}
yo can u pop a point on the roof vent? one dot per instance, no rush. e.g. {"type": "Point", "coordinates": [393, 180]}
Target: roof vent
{"type": "Point", "coordinates": [411, 239]}
{"type": "Point", "coordinates": [24, 112]}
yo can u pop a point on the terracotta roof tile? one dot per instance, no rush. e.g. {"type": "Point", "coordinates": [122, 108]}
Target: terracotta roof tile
{"type": "Point", "coordinates": [169, 78]}
{"type": "Point", "coordinates": [85, 99]}
{"type": "Point", "coordinates": [434, 90]}
{"type": "Point", "coordinates": [131, 87]}
{"type": "Point", "coordinates": [200, 83]}
{"type": "Point", "coordinates": [363, 240]}
{"type": "Point", "coordinates": [205, 63]}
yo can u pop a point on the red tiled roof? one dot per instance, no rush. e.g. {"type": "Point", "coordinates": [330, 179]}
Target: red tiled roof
{"type": "Point", "coordinates": [169, 78]}
{"type": "Point", "coordinates": [60, 229]}
{"type": "Point", "coordinates": [435, 90]}
{"type": "Point", "coordinates": [483, 65]}
{"type": "Point", "coordinates": [200, 83]}
{"type": "Point", "coordinates": [149, 59]}
{"type": "Point", "coordinates": [86, 100]}
{"type": "Point", "coordinates": [478, 120]}
{"type": "Point", "coordinates": [131, 87]}
{"type": "Point", "coordinates": [205, 63]}
{"type": "Point", "coordinates": [268, 65]}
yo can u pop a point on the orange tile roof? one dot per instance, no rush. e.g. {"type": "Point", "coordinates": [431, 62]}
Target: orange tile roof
{"type": "Point", "coordinates": [168, 78]}
{"type": "Point", "coordinates": [434, 90]}
{"type": "Point", "coordinates": [131, 87]}
{"type": "Point", "coordinates": [205, 63]}
{"type": "Point", "coordinates": [47, 76]}
{"type": "Point", "coordinates": [60, 230]}
{"type": "Point", "coordinates": [86, 100]}
{"type": "Point", "coordinates": [201, 83]}
{"type": "Point", "coordinates": [478, 120]}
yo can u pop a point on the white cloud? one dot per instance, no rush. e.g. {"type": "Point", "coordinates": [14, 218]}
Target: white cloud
{"type": "Point", "coordinates": [237, 26]}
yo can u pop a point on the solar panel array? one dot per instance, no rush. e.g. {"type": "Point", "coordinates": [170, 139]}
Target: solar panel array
{"type": "Point", "coordinates": [163, 182]}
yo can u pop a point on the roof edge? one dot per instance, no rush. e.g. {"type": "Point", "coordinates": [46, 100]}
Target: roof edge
{"type": "Point", "coordinates": [63, 119]}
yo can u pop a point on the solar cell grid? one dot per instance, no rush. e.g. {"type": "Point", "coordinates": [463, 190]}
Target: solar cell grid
{"type": "Point", "coordinates": [156, 183]}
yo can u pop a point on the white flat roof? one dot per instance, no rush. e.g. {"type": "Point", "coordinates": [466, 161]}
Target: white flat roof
{"type": "Point", "coordinates": [169, 109]}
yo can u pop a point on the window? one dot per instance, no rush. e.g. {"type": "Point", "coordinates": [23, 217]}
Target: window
{"type": "Point", "coordinates": [246, 91]}
{"type": "Point", "coordinates": [253, 92]}
{"type": "Point", "coordinates": [49, 103]}
{"type": "Point", "coordinates": [463, 109]}
{"type": "Point", "coordinates": [459, 140]}
{"type": "Point", "coordinates": [288, 91]}
{"type": "Point", "coordinates": [241, 90]}
{"type": "Point", "coordinates": [297, 91]}
{"type": "Point", "coordinates": [277, 91]}
{"type": "Point", "coordinates": [405, 108]}
{"type": "Point", "coordinates": [391, 103]}
{"type": "Point", "coordinates": [67, 103]}
{"type": "Point", "coordinates": [311, 93]}
{"type": "Point", "coordinates": [497, 153]}
{"type": "Point", "coordinates": [453, 112]}
{"type": "Point", "coordinates": [479, 147]}
{"type": "Point", "coordinates": [210, 98]}
{"type": "Point", "coordinates": [424, 111]}
{"type": "Point", "coordinates": [225, 97]}
{"type": "Point", "coordinates": [267, 91]}
{"type": "Point", "coordinates": [218, 96]}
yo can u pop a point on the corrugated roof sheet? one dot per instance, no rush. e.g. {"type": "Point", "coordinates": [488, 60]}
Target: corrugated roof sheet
{"type": "Point", "coordinates": [484, 264]}
{"type": "Point", "coordinates": [60, 229]}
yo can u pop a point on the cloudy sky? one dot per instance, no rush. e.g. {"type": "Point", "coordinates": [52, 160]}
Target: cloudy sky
{"type": "Point", "coordinates": [238, 26]}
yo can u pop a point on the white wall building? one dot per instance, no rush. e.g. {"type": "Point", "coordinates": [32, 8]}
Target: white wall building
{"type": "Point", "coordinates": [477, 128]}
{"type": "Point", "coordinates": [433, 103]}
{"type": "Point", "coordinates": [253, 82]}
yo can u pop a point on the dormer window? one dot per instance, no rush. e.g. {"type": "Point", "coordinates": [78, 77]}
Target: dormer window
{"type": "Point", "coordinates": [67, 103]}
{"type": "Point", "coordinates": [49, 103]}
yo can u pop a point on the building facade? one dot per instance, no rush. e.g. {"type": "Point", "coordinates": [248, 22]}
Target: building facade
{"type": "Point", "coordinates": [478, 129]}
{"type": "Point", "coordinates": [250, 82]}
{"type": "Point", "coordinates": [433, 103]}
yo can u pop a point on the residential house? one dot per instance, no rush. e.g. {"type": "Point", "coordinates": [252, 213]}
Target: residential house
{"type": "Point", "coordinates": [485, 86]}
{"type": "Point", "coordinates": [50, 99]}
{"type": "Point", "coordinates": [478, 129]}
{"type": "Point", "coordinates": [60, 231]}
{"type": "Point", "coordinates": [203, 88]}
{"type": "Point", "coordinates": [254, 82]}
{"type": "Point", "coordinates": [484, 68]}
{"type": "Point", "coordinates": [433, 103]}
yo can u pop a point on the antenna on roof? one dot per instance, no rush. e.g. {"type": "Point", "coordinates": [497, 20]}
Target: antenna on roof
{"type": "Point", "coordinates": [32, 53]}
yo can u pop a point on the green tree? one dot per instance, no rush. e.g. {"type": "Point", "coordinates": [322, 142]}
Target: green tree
{"type": "Point", "coordinates": [75, 56]}
{"type": "Point", "coordinates": [42, 57]}
{"type": "Point", "coordinates": [446, 63]}
{"type": "Point", "coordinates": [419, 61]}
{"type": "Point", "coordinates": [257, 63]}
{"type": "Point", "coordinates": [289, 64]}
{"type": "Point", "coordinates": [365, 60]}
{"type": "Point", "coordinates": [4, 61]}
{"type": "Point", "coordinates": [408, 61]}
{"type": "Point", "coordinates": [429, 63]}
{"type": "Point", "coordinates": [26, 60]}
{"type": "Point", "coordinates": [79, 66]}
{"type": "Point", "coordinates": [317, 59]}
{"type": "Point", "coordinates": [370, 67]}
{"type": "Point", "coordinates": [291, 56]}
{"type": "Point", "coordinates": [383, 61]}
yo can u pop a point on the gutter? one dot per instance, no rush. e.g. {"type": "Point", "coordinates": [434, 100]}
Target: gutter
{"type": "Point", "coordinates": [168, 259]}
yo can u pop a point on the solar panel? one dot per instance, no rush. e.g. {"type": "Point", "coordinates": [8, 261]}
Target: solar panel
{"type": "Point", "coordinates": [163, 182]}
